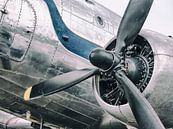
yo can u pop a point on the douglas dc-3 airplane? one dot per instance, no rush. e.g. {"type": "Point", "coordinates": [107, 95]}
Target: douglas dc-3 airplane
{"type": "Point", "coordinates": [121, 75]}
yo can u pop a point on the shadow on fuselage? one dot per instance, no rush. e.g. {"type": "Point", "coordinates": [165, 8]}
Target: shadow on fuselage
{"type": "Point", "coordinates": [5, 43]}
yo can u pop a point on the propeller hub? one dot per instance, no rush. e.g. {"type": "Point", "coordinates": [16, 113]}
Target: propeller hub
{"type": "Point", "coordinates": [103, 59]}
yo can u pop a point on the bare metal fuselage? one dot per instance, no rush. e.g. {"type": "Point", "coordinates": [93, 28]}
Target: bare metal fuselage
{"type": "Point", "coordinates": [35, 53]}
{"type": "Point", "coordinates": [36, 50]}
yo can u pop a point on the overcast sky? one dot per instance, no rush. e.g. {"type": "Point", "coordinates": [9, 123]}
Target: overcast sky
{"type": "Point", "coordinates": [160, 18]}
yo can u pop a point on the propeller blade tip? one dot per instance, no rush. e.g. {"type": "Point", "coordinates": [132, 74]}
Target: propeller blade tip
{"type": "Point", "coordinates": [27, 94]}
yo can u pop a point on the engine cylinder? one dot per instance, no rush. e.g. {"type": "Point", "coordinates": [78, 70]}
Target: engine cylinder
{"type": "Point", "coordinates": [152, 74]}
{"type": "Point", "coordinates": [138, 63]}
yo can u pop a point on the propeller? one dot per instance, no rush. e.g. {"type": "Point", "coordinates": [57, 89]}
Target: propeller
{"type": "Point", "coordinates": [132, 22]}
{"type": "Point", "coordinates": [58, 83]}
{"type": "Point", "coordinates": [144, 114]}
{"type": "Point", "coordinates": [107, 61]}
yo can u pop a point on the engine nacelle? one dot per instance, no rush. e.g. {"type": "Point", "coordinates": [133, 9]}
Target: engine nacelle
{"type": "Point", "coordinates": [150, 66]}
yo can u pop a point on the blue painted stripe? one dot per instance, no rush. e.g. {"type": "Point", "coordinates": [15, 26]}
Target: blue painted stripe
{"type": "Point", "coordinates": [75, 43]}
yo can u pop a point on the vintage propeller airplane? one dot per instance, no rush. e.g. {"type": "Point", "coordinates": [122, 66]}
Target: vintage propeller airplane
{"type": "Point", "coordinates": [50, 48]}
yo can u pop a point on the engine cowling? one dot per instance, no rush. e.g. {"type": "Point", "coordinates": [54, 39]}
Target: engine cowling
{"type": "Point", "coordinates": [148, 63]}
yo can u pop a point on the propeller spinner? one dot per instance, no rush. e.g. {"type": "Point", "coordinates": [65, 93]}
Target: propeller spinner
{"type": "Point", "coordinates": [129, 28]}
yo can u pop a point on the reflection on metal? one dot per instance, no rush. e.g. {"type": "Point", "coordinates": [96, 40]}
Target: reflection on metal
{"type": "Point", "coordinates": [32, 50]}
{"type": "Point", "coordinates": [10, 121]}
{"type": "Point", "coordinates": [41, 123]}
{"type": "Point", "coordinates": [14, 19]}
{"type": "Point", "coordinates": [46, 57]}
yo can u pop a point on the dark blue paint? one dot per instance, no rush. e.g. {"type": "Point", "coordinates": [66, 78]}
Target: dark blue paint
{"type": "Point", "coordinates": [73, 43]}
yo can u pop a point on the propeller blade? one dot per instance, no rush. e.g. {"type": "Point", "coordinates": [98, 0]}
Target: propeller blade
{"type": "Point", "coordinates": [58, 83]}
{"type": "Point", "coordinates": [132, 22]}
{"type": "Point", "coordinates": [143, 112]}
